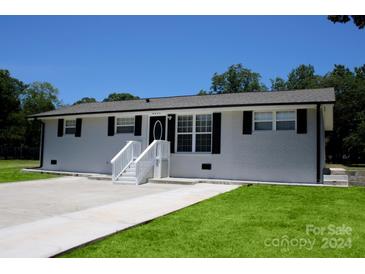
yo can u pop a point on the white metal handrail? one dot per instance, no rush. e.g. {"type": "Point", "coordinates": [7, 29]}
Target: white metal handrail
{"type": "Point", "coordinates": [124, 158]}
{"type": "Point", "coordinates": [158, 150]}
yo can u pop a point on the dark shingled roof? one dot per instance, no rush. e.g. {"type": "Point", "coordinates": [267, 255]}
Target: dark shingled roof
{"type": "Point", "coordinates": [307, 96]}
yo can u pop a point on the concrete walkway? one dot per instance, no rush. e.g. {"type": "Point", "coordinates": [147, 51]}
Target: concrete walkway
{"type": "Point", "coordinates": [30, 201]}
{"type": "Point", "coordinates": [50, 236]}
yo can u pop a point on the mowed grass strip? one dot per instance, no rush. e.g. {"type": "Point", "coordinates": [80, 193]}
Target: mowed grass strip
{"type": "Point", "coordinates": [247, 222]}
{"type": "Point", "coordinates": [11, 171]}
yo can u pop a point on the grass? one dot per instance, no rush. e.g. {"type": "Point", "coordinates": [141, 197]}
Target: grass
{"type": "Point", "coordinates": [11, 171]}
{"type": "Point", "coordinates": [245, 223]}
{"type": "Point", "coordinates": [354, 167]}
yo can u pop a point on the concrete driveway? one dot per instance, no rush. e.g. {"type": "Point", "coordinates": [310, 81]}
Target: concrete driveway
{"type": "Point", "coordinates": [46, 217]}
{"type": "Point", "coordinates": [25, 202]}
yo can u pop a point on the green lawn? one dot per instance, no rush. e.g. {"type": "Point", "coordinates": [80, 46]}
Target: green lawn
{"type": "Point", "coordinates": [11, 171]}
{"type": "Point", "coordinates": [248, 222]}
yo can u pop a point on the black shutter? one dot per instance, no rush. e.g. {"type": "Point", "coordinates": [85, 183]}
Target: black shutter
{"type": "Point", "coordinates": [60, 128]}
{"type": "Point", "coordinates": [301, 121]}
{"type": "Point", "coordinates": [111, 125]}
{"type": "Point", "coordinates": [247, 122]}
{"type": "Point", "coordinates": [216, 140]}
{"type": "Point", "coordinates": [78, 127]}
{"type": "Point", "coordinates": [171, 131]}
{"type": "Point", "coordinates": [138, 125]}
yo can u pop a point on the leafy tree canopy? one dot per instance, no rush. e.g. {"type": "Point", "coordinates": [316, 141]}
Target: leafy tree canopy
{"type": "Point", "coordinates": [203, 92]}
{"type": "Point", "coordinates": [37, 97]}
{"type": "Point", "coordinates": [236, 79]}
{"type": "Point", "coordinates": [120, 97]}
{"type": "Point", "coordinates": [40, 97]}
{"type": "Point", "coordinates": [359, 20]}
{"type": "Point", "coordinates": [11, 118]}
{"type": "Point", "coordinates": [278, 84]}
{"type": "Point", "coordinates": [303, 77]}
{"type": "Point", "coordinates": [10, 90]}
{"type": "Point", "coordinates": [85, 100]}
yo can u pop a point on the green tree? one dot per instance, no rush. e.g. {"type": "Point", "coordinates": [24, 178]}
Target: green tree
{"type": "Point", "coordinates": [303, 77]}
{"type": "Point", "coordinates": [85, 100]}
{"type": "Point", "coordinates": [120, 97]}
{"type": "Point", "coordinates": [11, 117]}
{"type": "Point", "coordinates": [348, 113]}
{"type": "Point", "coordinates": [359, 20]}
{"type": "Point", "coordinates": [38, 97]}
{"type": "Point", "coordinates": [236, 79]}
{"type": "Point", "coordinates": [354, 143]}
{"type": "Point", "coordinates": [203, 92]}
{"type": "Point", "coordinates": [278, 84]}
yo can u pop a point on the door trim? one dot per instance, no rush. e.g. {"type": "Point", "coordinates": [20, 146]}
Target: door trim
{"type": "Point", "coordinates": [149, 125]}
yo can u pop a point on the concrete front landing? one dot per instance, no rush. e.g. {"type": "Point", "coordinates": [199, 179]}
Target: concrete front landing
{"type": "Point", "coordinates": [50, 236]}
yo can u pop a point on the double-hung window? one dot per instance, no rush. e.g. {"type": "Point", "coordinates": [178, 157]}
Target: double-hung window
{"type": "Point", "coordinates": [285, 120]}
{"type": "Point", "coordinates": [263, 121]}
{"type": "Point", "coordinates": [203, 133]}
{"type": "Point", "coordinates": [194, 133]}
{"type": "Point", "coordinates": [125, 125]}
{"type": "Point", "coordinates": [185, 133]}
{"type": "Point", "coordinates": [70, 126]}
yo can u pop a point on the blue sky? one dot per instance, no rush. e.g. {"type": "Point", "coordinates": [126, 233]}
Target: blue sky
{"type": "Point", "coordinates": [152, 56]}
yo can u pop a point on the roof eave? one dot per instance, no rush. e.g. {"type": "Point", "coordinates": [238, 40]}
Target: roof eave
{"type": "Point", "coordinates": [35, 116]}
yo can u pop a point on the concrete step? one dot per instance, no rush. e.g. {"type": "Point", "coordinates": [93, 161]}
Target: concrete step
{"type": "Point", "coordinates": [127, 178]}
{"type": "Point", "coordinates": [340, 180]}
{"type": "Point", "coordinates": [337, 171]}
{"type": "Point", "coordinates": [131, 169]}
{"type": "Point", "coordinates": [339, 183]}
{"type": "Point", "coordinates": [129, 173]}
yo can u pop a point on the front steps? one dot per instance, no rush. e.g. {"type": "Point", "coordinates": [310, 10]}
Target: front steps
{"type": "Point", "coordinates": [337, 177]}
{"type": "Point", "coordinates": [128, 175]}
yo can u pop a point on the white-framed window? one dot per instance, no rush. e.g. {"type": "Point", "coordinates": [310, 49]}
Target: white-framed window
{"type": "Point", "coordinates": [263, 121]}
{"type": "Point", "coordinates": [194, 133]}
{"type": "Point", "coordinates": [274, 120]}
{"type": "Point", "coordinates": [125, 125]}
{"type": "Point", "coordinates": [70, 126]}
{"type": "Point", "coordinates": [203, 133]}
{"type": "Point", "coordinates": [184, 133]}
{"type": "Point", "coordinates": [285, 120]}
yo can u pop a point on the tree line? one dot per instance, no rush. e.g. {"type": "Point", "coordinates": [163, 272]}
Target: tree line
{"type": "Point", "coordinates": [346, 144]}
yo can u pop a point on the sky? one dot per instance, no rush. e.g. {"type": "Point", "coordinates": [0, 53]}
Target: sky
{"type": "Point", "coordinates": [152, 56]}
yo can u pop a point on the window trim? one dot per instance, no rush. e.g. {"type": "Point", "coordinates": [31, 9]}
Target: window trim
{"type": "Point", "coordinates": [65, 127]}
{"type": "Point", "coordinates": [116, 125]}
{"type": "Point", "coordinates": [274, 120]}
{"type": "Point", "coordinates": [193, 133]}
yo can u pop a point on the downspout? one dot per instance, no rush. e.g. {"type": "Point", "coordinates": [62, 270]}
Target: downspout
{"type": "Point", "coordinates": [41, 145]}
{"type": "Point", "coordinates": [318, 142]}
